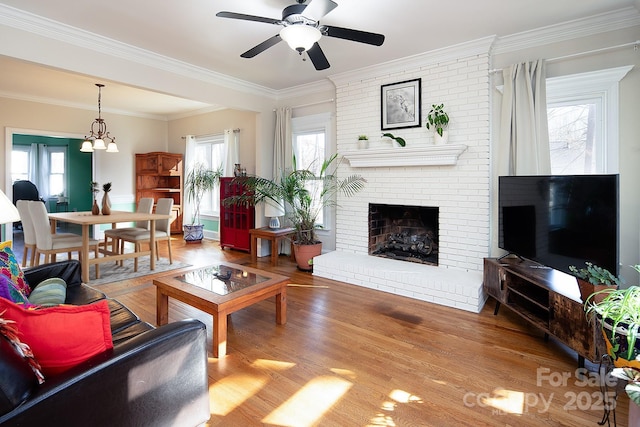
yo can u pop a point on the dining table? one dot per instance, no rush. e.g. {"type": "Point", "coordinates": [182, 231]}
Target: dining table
{"type": "Point", "coordinates": [88, 220]}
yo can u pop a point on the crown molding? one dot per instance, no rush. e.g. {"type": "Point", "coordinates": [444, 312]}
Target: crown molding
{"type": "Point", "coordinates": [92, 107]}
{"type": "Point", "coordinates": [452, 53]}
{"type": "Point", "coordinates": [569, 30]}
{"type": "Point", "coordinates": [44, 27]}
{"type": "Point", "coordinates": [312, 88]}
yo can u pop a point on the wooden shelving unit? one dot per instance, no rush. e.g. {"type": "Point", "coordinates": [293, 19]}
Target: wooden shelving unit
{"type": "Point", "coordinates": [160, 175]}
{"type": "Point", "coordinates": [546, 298]}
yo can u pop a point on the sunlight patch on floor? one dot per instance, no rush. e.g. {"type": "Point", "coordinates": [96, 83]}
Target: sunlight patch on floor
{"type": "Point", "coordinates": [274, 365]}
{"type": "Point", "coordinates": [508, 401]}
{"type": "Point", "coordinates": [230, 392]}
{"type": "Point", "coordinates": [396, 398]}
{"type": "Point", "coordinates": [306, 407]}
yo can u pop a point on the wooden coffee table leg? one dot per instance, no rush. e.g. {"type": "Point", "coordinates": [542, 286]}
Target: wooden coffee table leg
{"type": "Point", "coordinates": [281, 306]}
{"type": "Point", "coordinates": [162, 308]}
{"type": "Point", "coordinates": [219, 335]}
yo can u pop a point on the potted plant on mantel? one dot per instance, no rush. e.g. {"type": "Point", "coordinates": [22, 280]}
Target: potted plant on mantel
{"type": "Point", "coordinates": [200, 179]}
{"type": "Point", "coordinates": [592, 279]}
{"type": "Point", "coordinates": [439, 120]}
{"type": "Point", "coordinates": [302, 194]}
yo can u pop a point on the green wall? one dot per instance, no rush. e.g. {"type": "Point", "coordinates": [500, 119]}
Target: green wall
{"type": "Point", "coordinates": [78, 168]}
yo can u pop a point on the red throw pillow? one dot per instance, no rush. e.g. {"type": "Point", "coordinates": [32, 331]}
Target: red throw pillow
{"type": "Point", "coordinates": [63, 336]}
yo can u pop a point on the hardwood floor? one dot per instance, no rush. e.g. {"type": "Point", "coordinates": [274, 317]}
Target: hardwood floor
{"type": "Point", "coordinates": [350, 356]}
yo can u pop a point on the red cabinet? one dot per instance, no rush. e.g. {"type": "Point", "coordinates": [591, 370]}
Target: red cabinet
{"type": "Point", "coordinates": [235, 220]}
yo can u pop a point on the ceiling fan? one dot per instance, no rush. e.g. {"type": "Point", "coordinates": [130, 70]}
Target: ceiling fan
{"type": "Point", "coordinates": [302, 30]}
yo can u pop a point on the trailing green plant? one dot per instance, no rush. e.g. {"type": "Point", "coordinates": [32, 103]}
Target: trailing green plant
{"type": "Point", "coordinates": [200, 179]}
{"type": "Point", "coordinates": [401, 142]}
{"type": "Point", "coordinates": [437, 118]}
{"type": "Point", "coordinates": [619, 310]}
{"type": "Point", "coordinates": [301, 193]}
{"type": "Point", "coordinates": [595, 275]}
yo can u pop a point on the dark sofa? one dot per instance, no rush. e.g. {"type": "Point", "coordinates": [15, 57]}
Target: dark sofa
{"type": "Point", "coordinates": [152, 377]}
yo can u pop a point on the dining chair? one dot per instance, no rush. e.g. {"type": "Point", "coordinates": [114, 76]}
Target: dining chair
{"type": "Point", "coordinates": [29, 232]}
{"type": "Point", "coordinates": [145, 205]}
{"type": "Point", "coordinates": [48, 245]}
{"type": "Point", "coordinates": [163, 231]}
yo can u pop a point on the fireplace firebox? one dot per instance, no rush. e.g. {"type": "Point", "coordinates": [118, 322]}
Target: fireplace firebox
{"type": "Point", "coordinates": [406, 233]}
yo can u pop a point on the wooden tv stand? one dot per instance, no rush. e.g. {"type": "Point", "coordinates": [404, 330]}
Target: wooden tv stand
{"type": "Point", "coordinates": [548, 299]}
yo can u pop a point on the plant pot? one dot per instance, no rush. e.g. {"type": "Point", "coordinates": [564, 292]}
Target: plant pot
{"type": "Point", "coordinates": [634, 414]}
{"type": "Point", "coordinates": [587, 288]}
{"type": "Point", "coordinates": [441, 140]}
{"type": "Point", "coordinates": [304, 255]}
{"type": "Point", "coordinates": [618, 347]}
{"type": "Point", "coordinates": [363, 144]}
{"type": "Point", "coordinates": [193, 233]}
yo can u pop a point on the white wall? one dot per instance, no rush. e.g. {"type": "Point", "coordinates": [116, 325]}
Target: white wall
{"type": "Point", "coordinates": [457, 77]}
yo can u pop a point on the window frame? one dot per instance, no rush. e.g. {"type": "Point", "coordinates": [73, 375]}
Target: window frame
{"type": "Point", "coordinates": [211, 140]}
{"type": "Point", "coordinates": [316, 123]}
{"type": "Point", "coordinates": [602, 86]}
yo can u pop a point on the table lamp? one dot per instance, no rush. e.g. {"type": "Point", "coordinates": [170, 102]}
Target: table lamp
{"type": "Point", "coordinates": [8, 212]}
{"type": "Point", "coordinates": [273, 210]}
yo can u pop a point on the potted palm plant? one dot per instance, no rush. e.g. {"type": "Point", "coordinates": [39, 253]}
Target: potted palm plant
{"type": "Point", "coordinates": [302, 194]}
{"type": "Point", "coordinates": [200, 180]}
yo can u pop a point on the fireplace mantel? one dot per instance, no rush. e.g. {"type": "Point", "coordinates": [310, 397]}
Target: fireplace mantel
{"type": "Point", "coordinates": [428, 155]}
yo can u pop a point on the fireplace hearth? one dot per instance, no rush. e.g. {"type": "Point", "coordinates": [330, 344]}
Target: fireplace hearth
{"type": "Point", "coordinates": [405, 233]}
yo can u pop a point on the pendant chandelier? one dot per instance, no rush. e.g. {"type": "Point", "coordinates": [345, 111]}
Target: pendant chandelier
{"type": "Point", "coordinates": [98, 136]}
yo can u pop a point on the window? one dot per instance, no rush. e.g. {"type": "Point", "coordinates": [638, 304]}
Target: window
{"type": "Point", "coordinates": [310, 148]}
{"type": "Point", "coordinates": [582, 112]}
{"type": "Point", "coordinates": [57, 172]}
{"type": "Point", "coordinates": [44, 165]}
{"type": "Point", "coordinates": [210, 152]}
{"type": "Point", "coordinates": [20, 163]}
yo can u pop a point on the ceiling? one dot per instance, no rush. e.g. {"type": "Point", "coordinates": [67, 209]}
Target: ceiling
{"type": "Point", "coordinates": [188, 31]}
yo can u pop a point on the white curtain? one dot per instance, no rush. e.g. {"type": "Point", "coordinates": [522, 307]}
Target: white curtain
{"type": "Point", "coordinates": [43, 170]}
{"type": "Point", "coordinates": [189, 161]}
{"type": "Point", "coordinates": [33, 164]}
{"type": "Point", "coordinates": [232, 150]}
{"type": "Point", "coordinates": [282, 145]}
{"type": "Point", "coordinates": [524, 134]}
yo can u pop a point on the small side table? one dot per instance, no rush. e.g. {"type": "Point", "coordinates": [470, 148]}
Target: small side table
{"type": "Point", "coordinates": [272, 234]}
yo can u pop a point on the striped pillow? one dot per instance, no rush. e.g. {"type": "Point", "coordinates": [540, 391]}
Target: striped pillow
{"type": "Point", "coordinates": [49, 292]}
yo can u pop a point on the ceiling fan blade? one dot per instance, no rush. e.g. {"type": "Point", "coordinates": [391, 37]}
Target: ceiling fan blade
{"type": "Point", "coordinates": [262, 46]}
{"type": "Point", "coordinates": [317, 9]}
{"type": "Point", "coordinates": [354, 35]}
{"type": "Point", "coordinates": [317, 57]}
{"type": "Point", "coordinates": [244, 17]}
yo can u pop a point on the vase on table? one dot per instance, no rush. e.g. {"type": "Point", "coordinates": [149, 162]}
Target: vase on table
{"type": "Point", "coordinates": [95, 210]}
{"type": "Point", "coordinates": [106, 204]}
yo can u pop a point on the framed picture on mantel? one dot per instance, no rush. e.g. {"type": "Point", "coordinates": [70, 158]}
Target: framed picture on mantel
{"type": "Point", "coordinates": [401, 105]}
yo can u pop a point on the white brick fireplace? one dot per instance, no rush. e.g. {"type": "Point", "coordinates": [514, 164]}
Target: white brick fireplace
{"type": "Point", "coordinates": [455, 178]}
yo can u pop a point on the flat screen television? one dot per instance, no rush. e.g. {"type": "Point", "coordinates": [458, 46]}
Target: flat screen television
{"type": "Point", "coordinates": [560, 220]}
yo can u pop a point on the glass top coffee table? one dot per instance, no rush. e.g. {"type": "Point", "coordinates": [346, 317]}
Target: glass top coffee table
{"type": "Point", "coordinates": [220, 290]}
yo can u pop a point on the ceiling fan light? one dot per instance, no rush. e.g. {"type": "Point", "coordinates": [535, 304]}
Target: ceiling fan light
{"type": "Point", "coordinates": [87, 147]}
{"type": "Point", "coordinates": [300, 37]}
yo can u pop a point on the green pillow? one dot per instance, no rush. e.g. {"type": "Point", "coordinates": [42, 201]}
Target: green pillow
{"type": "Point", "coordinates": [49, 292]}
